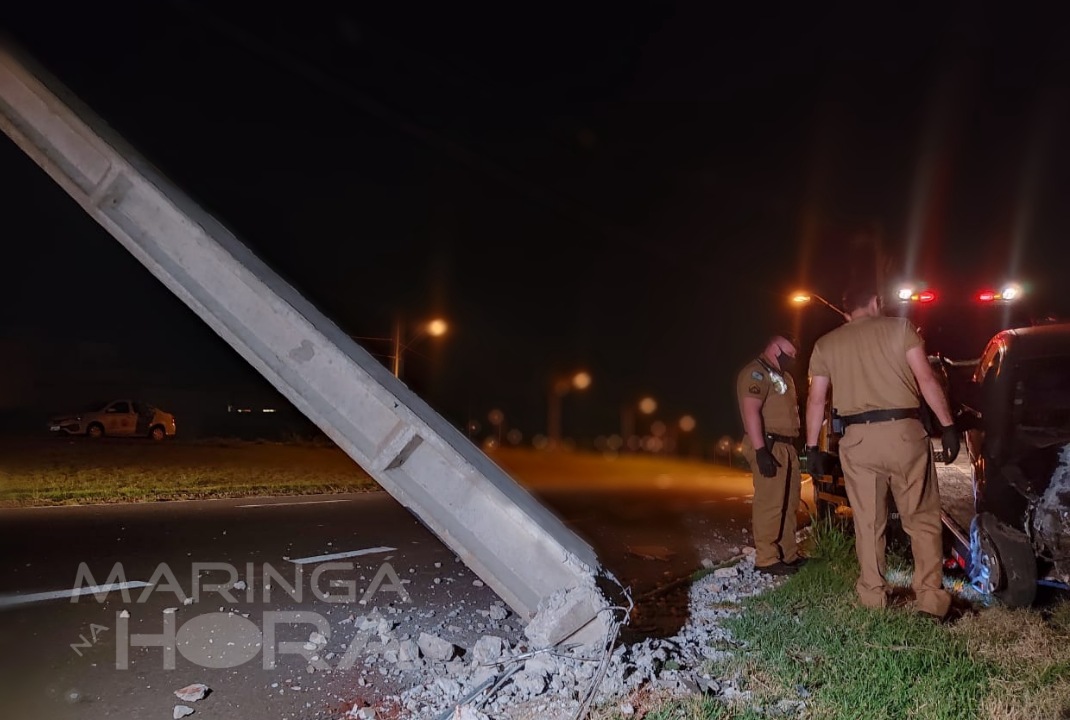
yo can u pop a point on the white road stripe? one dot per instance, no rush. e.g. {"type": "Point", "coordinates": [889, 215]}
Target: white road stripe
{"type": "Point", "coordinates": [340, 556]}
{"type": "Point", "coordinates": [7, 601]}
{"type": "Point", "coordinates": [305, 502]}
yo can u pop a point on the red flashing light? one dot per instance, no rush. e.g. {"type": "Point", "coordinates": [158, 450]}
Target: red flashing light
{"type": "Point", "coordinates": [986, 296]}
{"type": "Point", "coordinates": [926, 296]}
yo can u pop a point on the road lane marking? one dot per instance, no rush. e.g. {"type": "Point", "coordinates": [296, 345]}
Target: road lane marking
{"type": "Point", "coordinates": [9, 601]}
{"type": "Point", "coordinates": [305, 502]}
{"type": "Point", "coordinates": [340, 556]}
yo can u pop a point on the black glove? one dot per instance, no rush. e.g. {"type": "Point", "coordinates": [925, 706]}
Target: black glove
{"type": "Point", "coordinates": [816, 461]}
{"type": "Point", "coordinates": [951, 441]}
{"type": "Point", "coordinates": [767, 464]}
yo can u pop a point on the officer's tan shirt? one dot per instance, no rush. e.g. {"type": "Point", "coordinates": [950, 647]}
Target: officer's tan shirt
{"type": "Point", "coordinates": [780, 411]}
{"type": "Point", "coordinates": [866, 360]}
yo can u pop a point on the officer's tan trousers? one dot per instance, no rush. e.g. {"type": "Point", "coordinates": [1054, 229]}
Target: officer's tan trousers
{"type": "Point", "coordinates": [896, 456]}
{"type": "Point", "coordinates": [775, 501]}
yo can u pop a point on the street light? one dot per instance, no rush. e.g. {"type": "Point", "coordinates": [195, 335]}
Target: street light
{"type": "Point", "coordinates": [803, 298]}
{"type": "Point", "coordinates": [436, 327]}
{"type": "Point", "coordinates": [559, 388]}
{"type": "Point", "coordinates": [645, 405]}
{"type": "Point", "coordinates": [725, 446]}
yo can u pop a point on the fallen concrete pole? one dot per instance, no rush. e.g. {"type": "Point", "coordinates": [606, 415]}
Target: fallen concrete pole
{"type": "Point", "coordinates": [518, 547]}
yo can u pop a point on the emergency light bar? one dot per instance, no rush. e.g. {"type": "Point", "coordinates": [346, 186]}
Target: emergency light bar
{"type": "Point", "coordinates": [1007, 294]}
{"type": "Point", "coordinates": [908, 294]}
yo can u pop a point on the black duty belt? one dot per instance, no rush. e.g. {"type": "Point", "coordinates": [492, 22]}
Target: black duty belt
{"type": "Point", "coordinates": [877, 416]}
{"type": "Point", "coordinates": [786, 439]}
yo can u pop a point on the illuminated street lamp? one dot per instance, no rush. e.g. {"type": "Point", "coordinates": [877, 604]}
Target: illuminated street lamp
{"type": "Point", "coordinates": [804, 298]}
{"type": "Point", "coordinates": [646, 405]}
{"type": "Point", "coordinates": [725, 445]}
{"type": "Point", "coordinates": [559, 388]}
{"type": "Point", "coordinates": [436, 327]}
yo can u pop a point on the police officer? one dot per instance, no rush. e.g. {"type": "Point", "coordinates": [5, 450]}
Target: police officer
{"type": "Point", "coordinates": [877, 367]}
{"type": "Point", "coordinates": [769, 406]}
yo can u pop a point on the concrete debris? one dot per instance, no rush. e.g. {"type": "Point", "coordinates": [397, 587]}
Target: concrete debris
{"type": "Point", "coordinates": [498, 612]}
{"type": "Point", "coordinates": [192, 693]}
{"type": "Point", "coordinates": [182, 711]}
{"type": "Point", "coordinates": [549, 682]}
{"type": "Point", "coordinates": [435, 648]}
{"type": "Point", "coordinates": [487, 650]}
{"type": "Point", "coordinates": [408, 651]}
{"type": "Point", "coordinates": [562, 614]}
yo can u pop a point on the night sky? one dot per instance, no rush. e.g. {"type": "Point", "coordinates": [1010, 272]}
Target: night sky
{"type": "Point", "coordinates": [631, 189]}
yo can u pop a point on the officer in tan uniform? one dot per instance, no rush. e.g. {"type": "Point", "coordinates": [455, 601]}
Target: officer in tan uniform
{"type": "Point", "coordinates": [769, 406]}
{"type": "Point", "coordinates": [877, 367]}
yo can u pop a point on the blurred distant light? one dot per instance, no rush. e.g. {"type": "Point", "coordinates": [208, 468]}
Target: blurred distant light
{"type": "Point", "coordinates": [1011, 292]}
{"type": "Point", "coordinates": [905, 293]}
{"type": "Point", "coordinates": [648, 405]}
{"type": "Point", "coordinates": [986, 296]}
{"type": "Point", "coordinates": [540, 442]}
{"type": "Point", "coordinates": [687, 423]}
{"type": "Point", "coordinates": [514, 437]}
{"type": "Point", "coordinates": [268, 410]}
{"type": "Point", "coordinates": [474, 426]}
{"type": "Point", "coordinates": [600, 443]}
{"type": "Point", "coordinates": [926, 296]}
{"type": "Point", "coordinates": [490, 443]}
{"type": "Point", "coordinates": [496, 417]}
{"type": "Point", "coordinates": [581, 380]}
{"type": "Point", "coordinates": [614, 442]}
{"type": "Point", "coordinates": [437, 327]}
{"type": "Point", "coordinates": [657, 428]}
{"type": "Point", "coordinates": [800, 298]}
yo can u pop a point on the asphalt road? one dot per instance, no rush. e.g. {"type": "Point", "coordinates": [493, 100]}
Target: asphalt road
{"type": "Point", "coordinates": [649, 524]}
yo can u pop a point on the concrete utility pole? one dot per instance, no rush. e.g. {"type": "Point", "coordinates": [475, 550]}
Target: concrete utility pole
{"type": "Point", "coordinates": [517, 546]}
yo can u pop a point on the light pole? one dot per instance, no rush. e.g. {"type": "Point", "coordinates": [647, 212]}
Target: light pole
{"type": "Point", "coordinates": [559, 388]}
{"type": "Point", "coordinates": [646, 405]}
{"type": "Point", "coordinates": [803, 298]}
{"type": "Point", "coordinates": [435, 328]}
{"type": "Point", "coordinates": [725, 446]}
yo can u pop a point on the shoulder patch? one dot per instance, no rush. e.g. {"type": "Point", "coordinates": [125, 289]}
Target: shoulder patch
{"type": "Point", "coordinates": [757, 376]}
{"type": "Point", "coordinates": [754, 390]}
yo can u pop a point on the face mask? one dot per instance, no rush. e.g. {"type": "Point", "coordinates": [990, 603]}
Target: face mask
{"type": "Point", "coordinates": [785, 361]}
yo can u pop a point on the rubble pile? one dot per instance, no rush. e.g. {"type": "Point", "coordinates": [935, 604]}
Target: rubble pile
{"type": "Point", "coordinates": [500, 678]}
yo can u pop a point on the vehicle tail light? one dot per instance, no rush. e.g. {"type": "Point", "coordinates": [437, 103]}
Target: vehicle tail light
{"type": "Point", "coordinates": [926, 296]}
{"type": "Point", "coordinates": [986, 296]}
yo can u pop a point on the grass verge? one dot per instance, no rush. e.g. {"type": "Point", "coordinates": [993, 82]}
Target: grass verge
{"type": "Point", "coordinates": [70, 472]}
{"type": "Point", "coordinates": [809, 639]}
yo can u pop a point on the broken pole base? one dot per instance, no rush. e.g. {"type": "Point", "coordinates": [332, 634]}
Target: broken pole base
{"type": "Point", "coordinates": [576, 615]}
